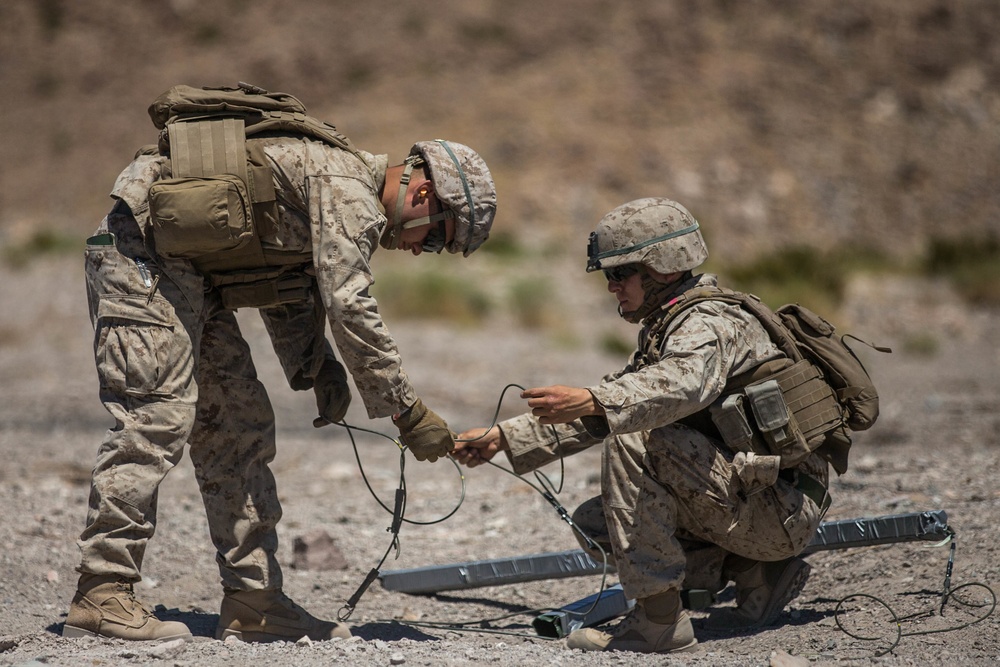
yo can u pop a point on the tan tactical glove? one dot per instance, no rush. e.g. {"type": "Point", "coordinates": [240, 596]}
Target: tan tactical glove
{"type": "Point", "coordinates": [333, 395]}
{"type": "Point", "coordinates": [424, 433]}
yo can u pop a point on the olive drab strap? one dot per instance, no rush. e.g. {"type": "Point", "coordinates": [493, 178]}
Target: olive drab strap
{"type": "Point", "coordinates": [246, 100]}
{"type": "Point", "coordinates": [299, 123]}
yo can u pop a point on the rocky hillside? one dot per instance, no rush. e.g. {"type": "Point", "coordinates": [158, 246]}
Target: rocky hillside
{"type": "Point", "coordinates": [776, 122]}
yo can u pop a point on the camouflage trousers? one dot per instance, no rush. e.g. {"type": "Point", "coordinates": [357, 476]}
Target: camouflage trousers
{"type": "Point", "coordinates": [672, 509]}
{"type": "Point", "coordinates": [174, 369]}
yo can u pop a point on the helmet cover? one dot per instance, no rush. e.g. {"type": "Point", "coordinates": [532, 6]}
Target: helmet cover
{"type": "Point", "coordinates": [463, 183]}
{"type": "Point", "coordinates": [655, 231]}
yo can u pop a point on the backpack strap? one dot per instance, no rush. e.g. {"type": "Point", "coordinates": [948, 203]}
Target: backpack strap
{"type": "Point", "coordinates": [779, 335]}
{"type": "Point", "coordinates": [302, 124]}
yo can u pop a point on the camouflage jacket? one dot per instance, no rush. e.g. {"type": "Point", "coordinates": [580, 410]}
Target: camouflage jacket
{"type": "Point", "coordinates": [700, 350]}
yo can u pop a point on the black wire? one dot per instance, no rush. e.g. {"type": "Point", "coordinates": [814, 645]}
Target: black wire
{"type": "Point", "coordinates": [947, 594]}
{"type": "Point", "coordinates": [545, 488]}
{"type": "Point", "coordinates": [402, 467]}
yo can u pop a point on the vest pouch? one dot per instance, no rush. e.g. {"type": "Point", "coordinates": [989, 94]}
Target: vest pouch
{"type": "Point", "coordinates": [730, 418]}
{"type": "Point", "coordinates": [776, 423]}
{"type": "Point", "coordinates": [286, 288]}
{"type": "Point", "coordinates": [197, 216]}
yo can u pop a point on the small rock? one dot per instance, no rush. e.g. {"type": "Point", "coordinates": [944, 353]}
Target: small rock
{"type": "Point", "coordinates": [781, 659]}
{"type": "Point", "coordinates": [317, 551]}
{"type": "Point", "coordinates": [410, 615]}
{"type": "Point", "coordinates": [397, 659]}
{"type": "Point", "coordinates": [52, 577]}
{"type": "Point", "coordinates": [304, 641]}
{"type": "Point", "coordinates": [167, 649]}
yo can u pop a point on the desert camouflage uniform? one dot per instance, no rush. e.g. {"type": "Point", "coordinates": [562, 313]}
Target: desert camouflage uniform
{"type": "Point", "coordinates": [175, 369]}
{"type": "Point", "coordinates": [674, 502]}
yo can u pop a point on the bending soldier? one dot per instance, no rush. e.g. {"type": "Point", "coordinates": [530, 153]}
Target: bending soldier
{"type": "Point", "coordinates": [174, 368]}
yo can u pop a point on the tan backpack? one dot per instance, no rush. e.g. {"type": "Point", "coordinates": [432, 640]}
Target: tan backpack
{"type": "Point", "coordinates": [221, 199]}
{"type": "Point", "coordinates": [797, 406]}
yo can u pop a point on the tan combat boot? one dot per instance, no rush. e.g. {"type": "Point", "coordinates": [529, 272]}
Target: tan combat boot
{"type": "Point", "coordinates": [657, 624]}
{"type": "Point", "coordinates": [105, 606]}
{"type": "Point", "coordinates": [763, 590]}
{"type": "Point", "coordinates": [270, 616]}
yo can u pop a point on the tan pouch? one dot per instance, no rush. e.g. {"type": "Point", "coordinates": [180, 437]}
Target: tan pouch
{"type": "Point", "coordinates": [197, 216]}
{"type": "Point", "coordinates": [730, 418]}
{"type": "Point", "coordinates": [756, 472]}
{"type": "Point", "coordinates": [776, 423]}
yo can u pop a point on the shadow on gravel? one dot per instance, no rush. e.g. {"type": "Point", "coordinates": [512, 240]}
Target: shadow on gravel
{"type": "Point", "coordinates": [201, 624]}
{"type": "Point", "coordinates": [486, 602]}
{"type": "Point", "coordinates": [391, 631]}
{"type": "Point", "coordinates": [705, 629]}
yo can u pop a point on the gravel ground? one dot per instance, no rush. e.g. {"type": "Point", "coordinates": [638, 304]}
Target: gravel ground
{"type": "Point", "coordinates": [935, 447]}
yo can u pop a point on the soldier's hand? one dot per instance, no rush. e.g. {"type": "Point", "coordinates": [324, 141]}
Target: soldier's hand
{"type": "Point", "coordinates": [560, 404]}
{"type": "Point", "coordinates": [333, 394]}
{"type": "Point", "coordinates": [424, 433]}
{"type": "Point", "coordinates": [477, 446]}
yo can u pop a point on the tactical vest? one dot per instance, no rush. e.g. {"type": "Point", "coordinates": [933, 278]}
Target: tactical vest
{"type": "Point", "coordinates": [220, 199]}
{"type": "Point", "coordinates": [793, 406]}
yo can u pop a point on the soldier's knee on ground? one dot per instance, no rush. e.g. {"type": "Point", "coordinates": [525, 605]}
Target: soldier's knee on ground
{"type": "Point", "coordinates": [592, 531]}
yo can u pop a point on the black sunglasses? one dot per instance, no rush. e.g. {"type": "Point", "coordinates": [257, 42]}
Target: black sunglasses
{"type": "Point", "coordinates": [619, 273]}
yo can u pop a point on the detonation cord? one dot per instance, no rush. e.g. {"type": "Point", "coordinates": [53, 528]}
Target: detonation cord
{"type": "Point", "coordinates": [948, 594]}
{"type": "Point", "coordinates": [398, 513]}
{"type": "Point", "coordinates": [545, 488]}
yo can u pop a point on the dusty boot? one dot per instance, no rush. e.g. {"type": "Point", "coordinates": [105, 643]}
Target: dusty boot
{"type": "Point", "coordinates": [763, 590]}
{"type": "Point", "coordinates": [657, 624]}
{"type": "Point", "coordinates": [105, 606]}
{"type": "Point", "coordinates": [270, 616]}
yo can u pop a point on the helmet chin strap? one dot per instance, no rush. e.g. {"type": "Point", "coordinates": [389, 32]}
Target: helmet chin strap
{"type": "Point", "coordinates": [655, 294]}
{"type": "Point", "coordinates": [390, 238]}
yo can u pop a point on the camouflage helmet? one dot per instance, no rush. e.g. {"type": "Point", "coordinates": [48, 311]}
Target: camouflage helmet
{"type": "Point", "coordinates": [655, 231]}
{"type": "Point", "coordinates": [463, 183]}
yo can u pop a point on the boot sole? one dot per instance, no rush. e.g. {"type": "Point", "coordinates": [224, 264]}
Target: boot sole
{"type": "Point", "coordinates": [73, 632]}
{"type": "Point", "coordinates": [581, 640]}
{"type": "Point", "coordinates": [792, 581]}
{"type": "Point", "coordinates": [255, 637]}
{"type": "Point", "coordinates": [644, 648]}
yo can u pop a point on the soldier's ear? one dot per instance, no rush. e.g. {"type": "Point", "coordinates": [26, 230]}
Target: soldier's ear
{"type": "Point", "coordinates": [423, 190]}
